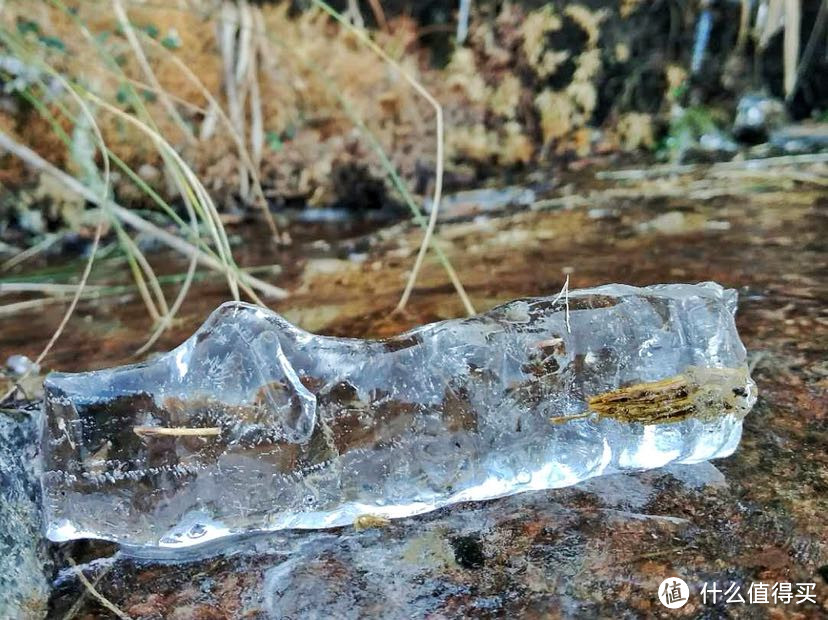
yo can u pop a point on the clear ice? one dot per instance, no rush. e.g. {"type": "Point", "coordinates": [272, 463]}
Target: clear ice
{"type": "Point", "coordinates": [255, 425]}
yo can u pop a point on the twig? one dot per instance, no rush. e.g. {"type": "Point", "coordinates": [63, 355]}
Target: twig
{"type": "Point", "coordinates": [75, 608]}
{"type": "Point", "coordinates": [783, 175]}
{"type": "Point", "coordinates": [790, 52]}
{"type": "Point", "coordinates": [177, 431]}
{"type": "Point", "coordinates": [379, 15]}
{"type": "Point", "coordinates": [101, 598]}
{"type": "Point", "coordinates": [813, 41]}
{"type": "Point", "coordinates": [438, 180]}
{"type": "Point", "coordinates": [29, 252]}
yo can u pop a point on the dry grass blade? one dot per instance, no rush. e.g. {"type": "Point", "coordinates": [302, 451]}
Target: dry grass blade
{"type": "Point", "coordinates": [138, 51]}
{"type": "Point", "coordinates": [28, 253]}
{"type": "Point", "coordinates": [43, 287]}
{"type": "Point", "coordinates": [104, 194]}
{"type": "Point", "coordinates": [744, 25]}
{"type": "Point", "coordinates": [247, 281]}
{"type": "Point", "coordinates": [135, 257]}
{"type": "Point", "coordinates": [191, 188]}
{"type": "Point", "coordinates": [166, 322]}
{"type": "Point", "coordinates": [137, 263]}
{"type": "Point", "coordinates": [177, 431]}
{"type": "Point", "coordinates": [94, 592]}
{"type": "Point", "coordinates": [256, 116]}
{"type": "Point", "coordinates": [71, 309]}
{"type": "Point", "coordinates": [396, 181]}
{"type": "Point", "coordinates": [202, 197]}
{"type": "Point", "coordinates": [438, 175]}
{"type": "Point", "coordinates": [793, 19]}
{"type": "Point", "coordinates": [217, 112]}
{"type": "Point", "coordinates": [773, 22]}
{"type": "Point", "coordinates": [816, 37]}
{"type": "Point", "coordinates": [30, 304]}
{"type": "Point", "coordinates": [232, 60]}
{"type": "Point", "coordinates": [379, 14]}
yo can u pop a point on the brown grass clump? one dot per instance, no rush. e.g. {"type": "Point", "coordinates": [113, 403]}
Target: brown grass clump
{"type": "Point", "coordinates": [524, 86]}
{"type": "Point", "coordinates": [302, 118]}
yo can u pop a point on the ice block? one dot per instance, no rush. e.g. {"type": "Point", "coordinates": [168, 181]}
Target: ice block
{"type": "Point", "coordinates": [253, 424]}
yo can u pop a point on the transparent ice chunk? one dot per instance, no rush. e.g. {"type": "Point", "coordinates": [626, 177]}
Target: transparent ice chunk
{"type": "Point", "coordinates": [255, 425]}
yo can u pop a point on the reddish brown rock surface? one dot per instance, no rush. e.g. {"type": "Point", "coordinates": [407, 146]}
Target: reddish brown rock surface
{"type": "Point", "coordinates": [599, 549]}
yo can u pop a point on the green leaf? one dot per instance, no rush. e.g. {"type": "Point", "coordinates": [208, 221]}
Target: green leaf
{"type": "Point", "coordinates": [25, 26]}
{"type": "Point", "coordinates": [171, 40]}
{"type": "Point", "coordinates": [274, 141]}
{"type": "Point", "coordinates": [53, 42]}
{"type": "Point", "coordinates": [122, 96]}
{"type": "Point", "coordinates": [151, 30]}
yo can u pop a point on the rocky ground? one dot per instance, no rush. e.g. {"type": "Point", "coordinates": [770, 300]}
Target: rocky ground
{"type": "Point", "coordinates": [600, 548]}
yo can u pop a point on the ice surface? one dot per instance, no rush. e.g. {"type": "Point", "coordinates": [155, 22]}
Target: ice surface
{"type": "Point", "coordinates": [253, 424]}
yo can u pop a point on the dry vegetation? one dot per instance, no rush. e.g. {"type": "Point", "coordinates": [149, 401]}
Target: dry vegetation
{"type": "Point", "coordinates": [283, 80]}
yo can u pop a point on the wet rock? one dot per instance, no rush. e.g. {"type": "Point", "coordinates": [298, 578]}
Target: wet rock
{"type": "Point", "coordinates": [470, 203]}
{"type": "Point", "coordinates": [24, 587]}
{"type": "Point", "coordinates": [504, 556]}
{"type": "Point", "coordinates": [23, 376]}
{"type": "Point", "coordinates": [20, 365]}
{"type": "Point", "coordinates": [804, 138]}
{"type": "Point", "coordinates": [756, 116]}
